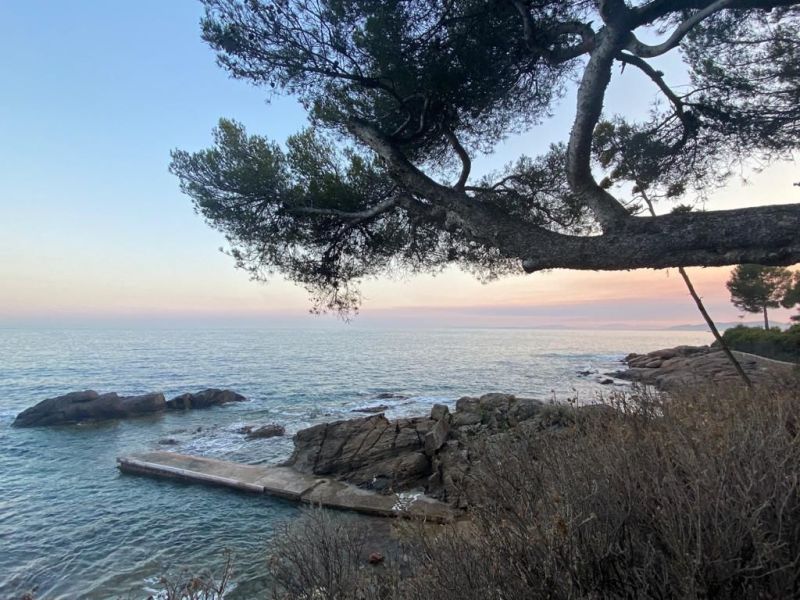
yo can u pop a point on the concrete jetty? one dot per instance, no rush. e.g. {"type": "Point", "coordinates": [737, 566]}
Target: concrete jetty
{"type": "Point", "coordinates": [284, 482]}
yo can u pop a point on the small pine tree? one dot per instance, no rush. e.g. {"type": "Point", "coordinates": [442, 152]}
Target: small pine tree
{"type": "Point", "coordinates": [755, 288]}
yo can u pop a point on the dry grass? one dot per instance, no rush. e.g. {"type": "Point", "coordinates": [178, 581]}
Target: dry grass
{"type": "Point", "coordinates": [695, 496]}
{"type": "Point", "coordinates": [318, 557]}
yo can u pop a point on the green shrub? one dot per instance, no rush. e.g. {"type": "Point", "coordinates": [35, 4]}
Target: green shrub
{"type": "Point", "coordinates": [772, 343]}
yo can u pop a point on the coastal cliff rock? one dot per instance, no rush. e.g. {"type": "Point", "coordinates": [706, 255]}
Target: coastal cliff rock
{"type": "Point", "coordinates": [422, 453]}
{"type": "Point", "coordinates": [88, 405]}
{"type": "Point", "coordinates": [204, 399]}
{"type": "Point", "coordinates": [368, 451]}
{"type": "Point", "coordinates": [691, 365]}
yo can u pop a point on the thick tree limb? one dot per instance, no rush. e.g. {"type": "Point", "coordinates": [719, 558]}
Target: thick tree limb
{"type": "Point", "coordinates": [483, 222]}
{"type": "Point", "coordinates": [586, 44]}
{"type": "Point", "coordinates": [657, 9]}
{"type": "Point", "coordinates": [596, 77]}
{"type": "Point", "coordinates": [646, 51]}
{"type": "Point", "coordinates": [764, 235]}
{"type": "Point", "coordinates": [555, 55]}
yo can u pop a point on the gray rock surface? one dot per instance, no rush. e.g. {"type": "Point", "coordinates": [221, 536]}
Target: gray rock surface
{"type": "Point", "coordinates": [88, 405]}
{"type": "Point", "coordinates": [266, 431]}
{"type": "Point", "coordinates": [424, 453]}
{"type": "Point", "coordinates": [437, 436]}
{"type": "Point", "coordinates": [204, 399]}
{"type": "Point", "coordinates": [673, 368]}
{"type": "Point", "coordinates": [364, 450]}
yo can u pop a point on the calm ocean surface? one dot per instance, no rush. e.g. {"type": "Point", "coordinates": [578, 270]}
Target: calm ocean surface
{"type": "Point", "coordinates": [72, 526]}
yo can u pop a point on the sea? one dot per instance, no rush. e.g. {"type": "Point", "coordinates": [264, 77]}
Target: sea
{"type": "Point", "coordinates": [72, 526]}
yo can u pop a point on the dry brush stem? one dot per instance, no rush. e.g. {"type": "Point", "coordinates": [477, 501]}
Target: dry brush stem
{"type": "Point", "coordinates": [321, 557]}
{"type": "Point", "coordinates": [186, 585]}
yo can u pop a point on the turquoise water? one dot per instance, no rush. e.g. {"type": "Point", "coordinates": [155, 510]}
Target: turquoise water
{"type": "Point", "coordinates": [73, 527]}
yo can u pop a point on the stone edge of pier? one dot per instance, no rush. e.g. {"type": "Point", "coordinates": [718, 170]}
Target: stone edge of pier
{"type": "Point", "coordinates": [286, 483]}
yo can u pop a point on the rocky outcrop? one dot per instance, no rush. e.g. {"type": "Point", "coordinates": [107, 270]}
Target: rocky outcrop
{"type": "Point", "coordinates": [88, 405]}
{"type": "Point", "coordinates": [437, 436]}
{"type": "Point", "coordinates": [673, 368]}
{"type": "Point", "coordinates": [369, 451]}
{"type": "Point", "coordinates": [265, 431]}
{"type": "Point", "coordinates": [204, 399]}
{"type": "Point", "coordinates": [428, 453]}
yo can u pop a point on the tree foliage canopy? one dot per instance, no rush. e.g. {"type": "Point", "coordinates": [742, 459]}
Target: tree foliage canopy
{"type": "Point", "coordinates": [755, 288]}
{"type": "Point", "coordinates": [403, 94]}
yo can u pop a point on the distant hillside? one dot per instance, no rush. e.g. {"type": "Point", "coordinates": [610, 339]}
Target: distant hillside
{"type": "Point", "coordinates": [722, 326]}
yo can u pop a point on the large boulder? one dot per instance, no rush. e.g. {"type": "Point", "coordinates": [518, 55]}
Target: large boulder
{"type": "Point", "coordinates": [492, 413]}
{"type": "Point", "coordinates": [371, 451]}
{"type": "Point", "coordinates": [437, 436]}
{"type": "Point", "coordinates": [419, 453]}
{"type": "Point", "coordinates": [88, 405]}
{"type": "Point", "coordinates": [204, 399]}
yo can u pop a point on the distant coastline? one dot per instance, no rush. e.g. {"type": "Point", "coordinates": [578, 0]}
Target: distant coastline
{"type": "Point", "coordinates": [723, 325]}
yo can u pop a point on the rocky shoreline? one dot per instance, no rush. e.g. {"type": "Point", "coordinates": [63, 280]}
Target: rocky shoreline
{"type": "Point", "coordinates": [437, 453]}
{"type": "Point", "coordinates": [673, 368]}
{"type": "Point", "coordinates": [433, 455]}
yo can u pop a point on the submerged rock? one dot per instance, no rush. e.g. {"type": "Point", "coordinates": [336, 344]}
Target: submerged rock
{"type": "Point", "coordinates": [265, 431]}
{"type": "Point", "coordinates": [371, 409]}
{"type": "Point", "coordinates": [204, 399]}
{"type": "Point", "coordinates": [87, 406]}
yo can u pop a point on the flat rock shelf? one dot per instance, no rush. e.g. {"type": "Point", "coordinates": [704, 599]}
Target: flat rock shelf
{"type": "Point", "coordinates": [285, 482]}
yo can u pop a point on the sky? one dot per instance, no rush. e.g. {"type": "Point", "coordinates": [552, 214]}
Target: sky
{"type": "Point", "coordinates": [94, 230]}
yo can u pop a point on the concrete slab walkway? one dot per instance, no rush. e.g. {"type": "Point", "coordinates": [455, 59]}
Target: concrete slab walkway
{"type": "Point", "coordinates": [284, 482]}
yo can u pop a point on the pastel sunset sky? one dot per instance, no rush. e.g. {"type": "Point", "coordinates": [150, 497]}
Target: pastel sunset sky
{"type": "Point", "coordinates": [93, 229]}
